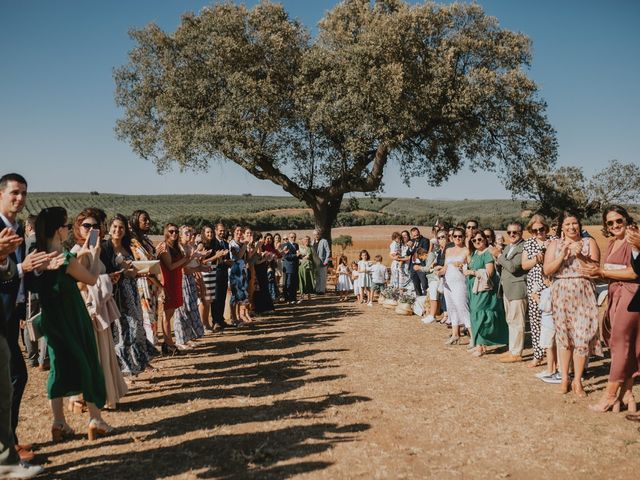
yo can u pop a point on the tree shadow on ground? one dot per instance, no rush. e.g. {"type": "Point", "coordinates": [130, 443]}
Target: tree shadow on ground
{"type": "Point", "coordinates": [197, 443]}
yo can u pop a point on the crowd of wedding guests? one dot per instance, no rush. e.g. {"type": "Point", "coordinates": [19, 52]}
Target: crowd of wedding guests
{"type": "Point", "coordinates": [88, 297]}
{"type": "Point", "coordinates": [489, 288]}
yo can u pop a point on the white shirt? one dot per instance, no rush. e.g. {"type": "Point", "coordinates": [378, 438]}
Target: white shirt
{"type": "Point", "coordinates": [378, 273]}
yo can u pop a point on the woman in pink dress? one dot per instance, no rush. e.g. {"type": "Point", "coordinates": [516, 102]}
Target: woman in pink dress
{"type": "Point", "coordinates": [621, 328]}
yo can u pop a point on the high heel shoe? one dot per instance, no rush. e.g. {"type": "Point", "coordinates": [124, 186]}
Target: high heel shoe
{"type": "Point", "coordinates": [61, 431]}
{"type": "Point", "coordinates": [169, 350]}
{"type": "Point", "coordinates": [606, 403]}
{"type": "Point", "coordinates": [579, 392]}
{"type": "Point", "coordinates": [629, 402]}
{"type": "Point", "coordinates": [98, 428]}
{"type": "Point", "coordinates": [452, 341]}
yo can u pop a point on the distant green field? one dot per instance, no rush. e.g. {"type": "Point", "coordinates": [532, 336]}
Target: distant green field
{"type": "Point", "coordinates": [160, 207]}
{"type": "Point", "coordinates": [258, 211]}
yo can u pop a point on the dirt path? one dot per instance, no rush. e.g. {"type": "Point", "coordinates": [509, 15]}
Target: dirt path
{"type": "Point", "coordinates": [332, 390]}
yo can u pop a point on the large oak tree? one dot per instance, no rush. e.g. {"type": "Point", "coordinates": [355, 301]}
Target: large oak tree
{"type": "Point", "coordinates": [422, 89]}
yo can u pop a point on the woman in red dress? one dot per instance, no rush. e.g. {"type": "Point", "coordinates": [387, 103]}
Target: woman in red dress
{"type": "Point", "coordinates": [172, 259]}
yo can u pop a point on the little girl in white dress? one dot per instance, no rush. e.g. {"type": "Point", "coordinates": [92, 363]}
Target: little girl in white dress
{"type": "Point", "coordinates": [344, 283]}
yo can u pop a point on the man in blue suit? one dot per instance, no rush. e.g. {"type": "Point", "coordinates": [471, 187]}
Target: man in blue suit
{"type": "Point", "coordinates": [13, 196]}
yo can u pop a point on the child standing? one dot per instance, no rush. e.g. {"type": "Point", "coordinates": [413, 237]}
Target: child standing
{"type": "Point", "coordinates": [355, 275]}
{"type": "Point", "coordinates": [344, 283]}
{"type": "Point", "coordinates": [547, 334]}
{"type": "Point", "coordinates": [364, 268]}
{"type": "Point", "coordinates": [379, 276]}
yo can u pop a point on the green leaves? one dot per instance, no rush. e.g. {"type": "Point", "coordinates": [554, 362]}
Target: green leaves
{"type": "Point", "coordinates": [428, 87]}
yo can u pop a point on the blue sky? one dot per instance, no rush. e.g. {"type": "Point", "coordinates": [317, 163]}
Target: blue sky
{"type": "Point", "coordinates": [57, 111]}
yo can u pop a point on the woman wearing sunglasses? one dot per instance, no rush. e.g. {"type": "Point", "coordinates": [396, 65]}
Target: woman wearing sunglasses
{"type": "Point", "coordinates": [488, 324]}
{"type": "Point", "coordinates": [455, 287]}
{"type": "Point", "coordinates": [101, 306]}
{"type": "Point", "coordinates": [172, 259]}
{"type": "Point", "coordinates": [621, 327]}
{"type": "Point", "coordinates": [575, 312]}
{"type": "Point", "coordinates": [532, 260]}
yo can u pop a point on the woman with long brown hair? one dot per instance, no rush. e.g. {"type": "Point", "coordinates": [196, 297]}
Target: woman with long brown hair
{"type": "Point", "coordinates": [128, 332]}
{"type": "Point", "coordinates": [101, 306]}
{"type": "Point", "coordinates": [75, 365]}
{"type": "Point", "coordinates": [575, 312]}
{"type": "Point", "coordinates": [621, 327]}
{"type": "Point", "coordinates": [149, 286]}
{"type": "Point", "coordinates": [172, 259]}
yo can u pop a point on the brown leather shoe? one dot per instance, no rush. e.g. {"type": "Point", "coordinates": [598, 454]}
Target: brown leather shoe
{"type": "Point", "coordinates": [510, 358]}
{"type": "Point", "coordinates": [24, 454]}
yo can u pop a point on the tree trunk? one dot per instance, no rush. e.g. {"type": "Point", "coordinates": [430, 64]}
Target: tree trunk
{"type": "Point", "coordinates": [325, 212]}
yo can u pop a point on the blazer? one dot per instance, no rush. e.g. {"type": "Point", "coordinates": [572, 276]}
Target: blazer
{"type": "Point", "coordinates": [9, 287]}
{"type": "Point", "coordinates": [513, 280]}
{"type": "Point", "coordinates": [221, 267]}
{"type": "Point", "coordinates": [322, 250]}
{"type": "Point", "coordinates": [634, 304]}
{"type": "Point", "coordinates": [7, 274]}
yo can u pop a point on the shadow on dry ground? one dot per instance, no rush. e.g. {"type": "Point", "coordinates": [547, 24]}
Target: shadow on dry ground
{"type": "Point", "coordinates": [220, 375]}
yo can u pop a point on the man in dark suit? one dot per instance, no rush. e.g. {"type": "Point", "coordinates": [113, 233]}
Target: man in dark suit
{"type": "Point", "coordinates": [290, 265]}
{"type": "Point", "coordinates": [419, 278]}
{"type": "Point", "coordinates": [219, 244]}
{"type": "Point", "coordinates": [10, 465]}
{"type": "Point", "coordinates": [13, 195]}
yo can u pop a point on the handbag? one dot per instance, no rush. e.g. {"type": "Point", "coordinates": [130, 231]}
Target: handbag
{"type": "Point", "coordinates": [34, 327]}
{"type": "Point", "coordinates": [482, 282]}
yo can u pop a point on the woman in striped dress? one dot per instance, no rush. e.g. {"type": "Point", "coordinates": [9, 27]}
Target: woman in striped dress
{"type": "Point", "coordinates": [208, 292]}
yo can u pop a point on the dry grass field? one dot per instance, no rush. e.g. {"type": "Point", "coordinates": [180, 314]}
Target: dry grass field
{"type": "Point", "coordinates": [330, 390]}
{"type": "Point", "coordinates": [333, 390]}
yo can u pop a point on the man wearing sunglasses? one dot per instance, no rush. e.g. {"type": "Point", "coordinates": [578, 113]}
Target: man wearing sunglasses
{"type": "Point", "coordinates": [513, 283]}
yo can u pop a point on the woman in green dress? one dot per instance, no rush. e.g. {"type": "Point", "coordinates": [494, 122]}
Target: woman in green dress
{"type": "Point", "coordinates": [488, 324]}
{"type": "Point", "coordinates": [75, 366]}
{"type": "Point", "coordinates": [306, 271]}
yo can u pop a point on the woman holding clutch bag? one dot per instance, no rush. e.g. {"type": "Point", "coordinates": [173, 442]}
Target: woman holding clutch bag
{"type": "Point", "coordinates": [621, 328]}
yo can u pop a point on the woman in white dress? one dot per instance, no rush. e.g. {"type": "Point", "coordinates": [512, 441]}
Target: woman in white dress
{"type": "Point", "coordinates": [455, 286]}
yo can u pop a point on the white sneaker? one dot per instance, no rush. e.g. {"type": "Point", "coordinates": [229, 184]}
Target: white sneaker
{"type": "Point", "coordinates": [20, 470]}
{"type": "Point", "coordinates": [369, 304]}
{"type": "Point", "coordinates": [428, 319]}
{"type": "Point", "coordinates": [543, 374]}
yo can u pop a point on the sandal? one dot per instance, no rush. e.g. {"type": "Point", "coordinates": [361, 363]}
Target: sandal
{"type": "Point", "coordinates": [61, 431]}
{"type": "Point", "coordinates": [98, 428]}
{"type": "Point", "coordinates": [452, 341]}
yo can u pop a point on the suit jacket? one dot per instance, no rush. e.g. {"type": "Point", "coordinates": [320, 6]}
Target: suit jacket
{"type": "Point", "coordinates": [419, 242]}
{"type": "Point", "coordinates": [634, 304]}
{"type": "Point", "coordinates": [290, 258]}
{"type": "Point", "coordinates": [6, 275]}
{"type": "Point", "coordinates": [513, 278]}
{"type": "Point", "coordinates": [9, 287]}
{"type": "Point", "coordinates": [220, 245]}
{"type": "Point", "coordinates": [322, 250]}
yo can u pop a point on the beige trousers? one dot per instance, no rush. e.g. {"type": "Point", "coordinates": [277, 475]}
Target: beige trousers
{"type": "Point", "coordinates": [515, 312]}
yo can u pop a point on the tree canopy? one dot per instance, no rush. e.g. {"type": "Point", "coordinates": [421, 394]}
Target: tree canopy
{"type": "Point", "coordinates": [422, 89]}
{"type": "Point", "coordinates": [567, 187]}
